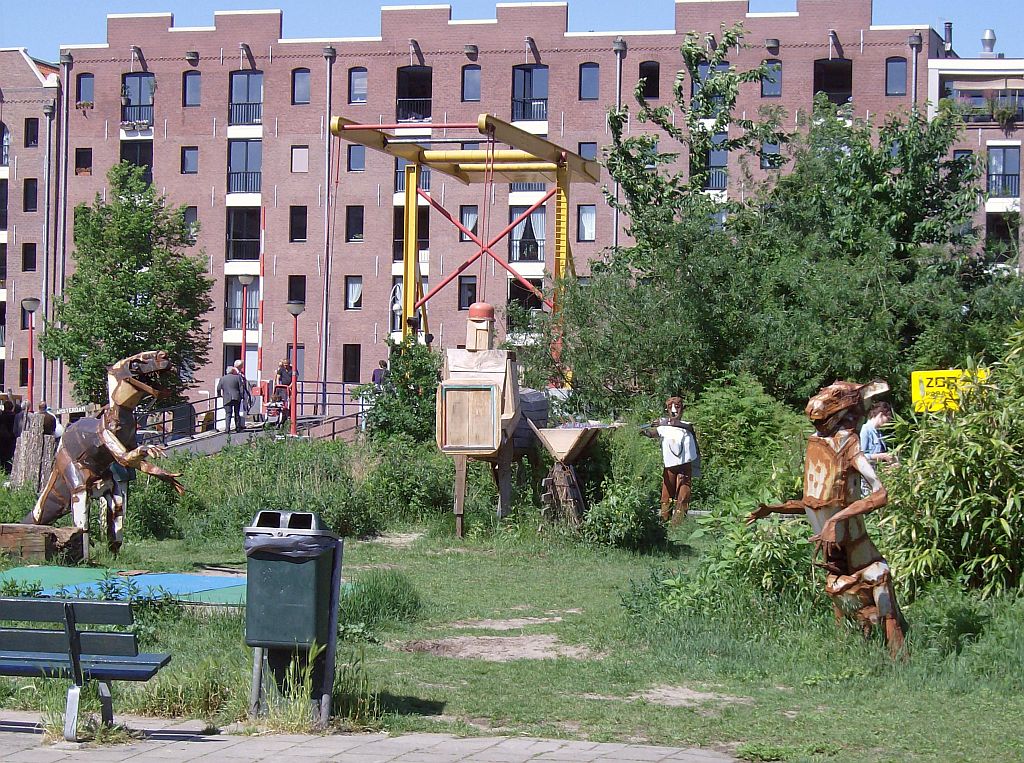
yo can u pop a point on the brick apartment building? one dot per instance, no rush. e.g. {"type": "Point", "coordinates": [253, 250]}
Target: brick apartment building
{"type": "Point", "coordinates": [232, 122]}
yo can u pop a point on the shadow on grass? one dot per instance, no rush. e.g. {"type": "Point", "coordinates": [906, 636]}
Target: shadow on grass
{"type": "Point", "coordinates": [405, 705]}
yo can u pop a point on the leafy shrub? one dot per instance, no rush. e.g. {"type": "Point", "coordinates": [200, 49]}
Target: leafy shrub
{"type": "Point", "coordinates": [16, 503]}
{"type": "Point", "coordinates": [956, 503]}
{"type": "Point", "coordinates": [623, 519]}
{"type": "Point", "coordinates": [405, 403]}
{"type": "Point", "coordinates": [406, 481]}
{"type": "Point", "coordinates": [378, 597]}
{"type": "Point", "coordinates": [947, 619]}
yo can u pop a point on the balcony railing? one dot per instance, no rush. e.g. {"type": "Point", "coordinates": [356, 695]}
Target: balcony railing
{"type": "Point", "coordinates": [1004, 186]}
{"type": "Point", "coordinates": [526, 251]}
{"type": "Point", "coordinates": [244, 182]}
{"type": "Point", "coordinates": [838, 97]}
{"type": "Point", "coordinates": [243, 249]}
{"type": "Point", "coordinates": [4, 154]}
{"type": "Point", "coordinates": [233, 318]}
{"type": "Point", "coordinates": [3, 333]}
{"type": "Point", "coordinates": [717, 179]}
{"type": "Point", "coordinates": [412, 109]}
{"type": "Point", "coordinates": [534, 109]}
{"type": "Point", "coordinates": [526, 187]}
{"type": "Point", "coordinates": [424, 181]}
{"type": "Point", "coordinates": [137, 114]}
{"type": "Point", "coordinates": [246, 113]}
{"type": "Point", "coordinates": [399, 245]}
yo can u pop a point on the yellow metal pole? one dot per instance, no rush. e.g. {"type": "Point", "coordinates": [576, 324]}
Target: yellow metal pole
{"type": "Point", "coordinates": [563, 252]}
{"type": "Point", "coordinates": [410, 249]}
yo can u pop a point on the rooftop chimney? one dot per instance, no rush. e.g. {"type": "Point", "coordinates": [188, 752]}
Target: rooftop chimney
{"type": "Point", "coordinates": [988, 45]}
{"type": "Point", "coordinates": [948, 37]}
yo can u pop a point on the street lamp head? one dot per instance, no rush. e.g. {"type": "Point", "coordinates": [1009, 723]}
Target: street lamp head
{"type": "Point", "coordinates": [330, 53]}
{"type": "Point", "coordinates": [246, 279]}
{"type": "Point", "coordinates": [30, 304]}
{"type": "Point", "coordinates": [619, 45]}
{"type": "Point", "coordinates": [192, 57]}
{"type": "Point", "coordinates": [49, 109]}
{"type": "Point", "coordinates": [915, 41]}
{"type": "Point", "coordinates": [295, 307]}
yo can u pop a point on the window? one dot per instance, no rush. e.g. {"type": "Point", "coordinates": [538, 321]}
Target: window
{"type": "Point", "coordinates": [246, 107]}
{"type": "Point", "coordinates": [350, 363]}
{"type": "Point", "coordinates": [716, 162]}
{"type": "Point", "coordinates": [5, 145]}
{"type": "Point", "coordinates": [245, 166]}
{"type": "Point", "coordinates": [470, 146]}
{"type": "Point", "coordinates": [587, 150]}
{"type": "Point", "coordinates": [191, 218]}
{"type": "Point", "coordinates": [650, 73]}
{"type": "Point", "coordinates": [297, 288]}
{"type": "Point", "coordinates": [467, 291]}
{"type": "Point", "coordinates": [590, 79]}
{"type": "Point", "coordinates": [834, 78]}
{"type": "Point", "coordinates": [30, 195]}
{"type": "Point", "coordinates": [414, 94]}
{"type": "Point", "coordinates": [83, 161]}
{"type": "Point", "coordinates": [31, 132]}
{"type": "Point", "coordinates": [470, 82]}
{"type": "Point", "coordinates": [296, 224]}
{"type": "Point", "coordinates": [356, 158]}
{"type": "Point", "coordinates": [300, 158]}
{"type": "Point", "coordinates": [1004, 171]}
{"type": "Point", "coordinates": [191, 87]}
{"type": "Point", "coordinates": [357, 85]}
{"type": "Point", "coordinates": [770, 157]}
{"type": "Point", "coordinates": [527, 241]}
{"type": "Point", "coordinates": [586, 222]}
{"type": "Point", "coordinates": [896, 76]}
{"type": "Point", "coordinates": [300, 87]}
{"type": "Point", "coordinates": [22, 372]}
{"type": "Point", "coordinates": [233, 307]}
{"type": "Point", "coordinates": [703, 71]}
{"type": "Point", "coordinates": [526, 299]}
{"type": "Point", "coordinates": [189, 160]}
{"type": "Point", "coordinates": [28, 258]}
{"type": "Point", "coordinates": [243, 227]}
{"type": "Point", "coordinates": [139, 153]}
{"type": "Point", "coordinates": [354, 223]}
{"type": "Point", "coordinates": [25, 319]}
{"type": "Point", "coordinates": [771, 82]}
{"type": "Point", "coordinates": [3, 207]}
{"type": "Point", "coordinates": [468, 215]}
{"type": "Point", "coordinates": [1001, 236]}
{"type": "Point", "coordinates": [422, 231]}
{"type": "Point", "coordinates": [84, 84]}
{"type": "Point", "coordinates": [353, 292]}
{"type": "Point", "coordinates": [137, 91]}
{"type": "Point", "coordinates": [529, 92]}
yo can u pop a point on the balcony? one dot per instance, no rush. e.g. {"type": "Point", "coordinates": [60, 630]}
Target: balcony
{"type": "Point", "coordinates": [399, 245]}
{"type": "Point", "coordinates": [244, 182]}
{"type": "Point", "coordinates": [3, 334]}
{"type": "Point", "coordinates": [424, 182]}
{"type": "Point", "coordinates": [529, 109]}
{"type": "Point", "coordinates": [233, 318]}
{"type": "Point", "coordinates": [5, 152]}
{"type": "Point", "coordinates": [412, 109]}
{"type": "Point", "coordinates": [243, 249]}
{"type": "Point", "coordinates": [531, 250]}
{"type": "Point", "coordinates": [246, 113]}
{"type": "Point", "coordinates": [527, 187]}
{"type": "Point", "coordinates": [1004, 186]}
{"type": "Point", "coordinates": [137, 114]}
{"type": "Point", "coordinates": [3, 217]}
{"type": "Point", "coordinates": [717, 179]}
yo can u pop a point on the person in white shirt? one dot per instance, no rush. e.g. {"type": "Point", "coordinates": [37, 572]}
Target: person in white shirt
{"type": "Point", "coordinates": [680, 457]}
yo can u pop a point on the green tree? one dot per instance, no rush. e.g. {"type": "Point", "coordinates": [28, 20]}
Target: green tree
{"type": "Point", "coordinates": [405, 403]}
{"type": "Point", "coordinates": [134, 288]}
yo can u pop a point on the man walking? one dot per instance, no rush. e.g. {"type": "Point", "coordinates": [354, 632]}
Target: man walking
{"type": "Point", "coordinates": [231, 388]}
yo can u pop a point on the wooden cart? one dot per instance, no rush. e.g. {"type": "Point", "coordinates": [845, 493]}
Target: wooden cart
{"type": "Point", "coordinates": [562, 497]}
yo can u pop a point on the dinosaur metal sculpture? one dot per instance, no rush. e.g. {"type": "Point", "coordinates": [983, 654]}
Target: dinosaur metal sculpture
{"type": "Point", "coordinates": [90, 446]}
{"type": "Point", "coordinates": [835, 469]}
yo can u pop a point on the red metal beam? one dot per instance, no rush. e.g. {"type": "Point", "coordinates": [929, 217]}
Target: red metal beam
{"type": "Point", "coordinates": [415, 125]}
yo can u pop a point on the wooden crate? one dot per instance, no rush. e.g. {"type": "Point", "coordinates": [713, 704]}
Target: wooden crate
{"type": "Point", "coordinates": [41, 543]}
{"type": "Point", "coordinates": [469, 418]}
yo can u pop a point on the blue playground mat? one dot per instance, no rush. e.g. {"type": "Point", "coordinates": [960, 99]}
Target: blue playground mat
{"type": "Point", "coordinates": [155, 585]}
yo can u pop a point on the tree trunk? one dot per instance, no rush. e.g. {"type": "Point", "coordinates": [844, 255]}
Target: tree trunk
{"type": "Point", "coordinates": [34, 454]}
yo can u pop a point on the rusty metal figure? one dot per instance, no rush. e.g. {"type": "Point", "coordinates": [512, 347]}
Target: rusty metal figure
{"type": "Point", "coordinates": [680, 458]}
{"type": "Point", "coordinates": [835, 469]}
{"type": "Point", "coordinates": [89, 446]}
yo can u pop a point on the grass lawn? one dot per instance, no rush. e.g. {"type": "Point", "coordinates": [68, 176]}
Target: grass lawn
{"type": "Point", "coordinates": [828, 696]}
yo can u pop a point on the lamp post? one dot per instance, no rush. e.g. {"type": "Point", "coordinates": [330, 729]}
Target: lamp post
{"type": "Point", "coordinates": [295, 307]}
{"type": "Point", "coordinates": [30, 305]}
{"type": "Point", "coordinates": [246, 281]}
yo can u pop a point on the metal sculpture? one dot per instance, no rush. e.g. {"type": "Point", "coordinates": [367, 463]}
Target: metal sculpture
{"type": "Point", "coordinates": [835, 472]}
{"type": "Point", "coordinates": [91, 446]}
{"type": "Point", "coordinates": [680, 459]}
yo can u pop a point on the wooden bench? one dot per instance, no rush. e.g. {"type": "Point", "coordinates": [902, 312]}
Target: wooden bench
{"type": "Point", "coordinates": [101, 656]}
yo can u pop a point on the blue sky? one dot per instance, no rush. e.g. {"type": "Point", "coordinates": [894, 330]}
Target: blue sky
{"type": "Point", "coordinates": [83, 21]}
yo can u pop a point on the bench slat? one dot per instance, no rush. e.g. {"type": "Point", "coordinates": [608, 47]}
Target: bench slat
{"type": "Point", "coordinates": [27, 665]}
{"type": "Point", "coordinates": [52, 611]}
{"type": "Point", "coordinates": [38, 640]}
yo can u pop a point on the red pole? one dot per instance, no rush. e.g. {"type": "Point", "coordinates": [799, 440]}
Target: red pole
{"type": "Point", "coordinates": [295, 372]}
{"type": "Point", "coordinates": [245, 320]}
{"type": "Point", "coordinates": [31, 358]}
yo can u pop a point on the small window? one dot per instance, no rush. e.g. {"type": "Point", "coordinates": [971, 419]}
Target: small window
{"type": "Point", "coordinates": [84, 88]}
{"type": "Point", "coordinates": [356, 158]}
{"type": "Point", "coordinates": [587, 150]}
{"type": "Point", "coordinates": [354, 223]}
{"type": "Point", "coordinates": [650, 73]}
{"type": "Point", "coordinates": [28, 258]}
{"type": "Point", "coordinates": [23, 371]}
{"type": "Point", "coordinates": [468, 215]}
{"type": "Point", "coordinates": [586, 222]}
{"type": "Point", "coordinates": [470, 146]}
{"type": "Point", "coordinates": [83, 161]}
{"type": "Point", "coordinates": [357, 85]}
{"type": "Point", "coordinates": [350, 361]}
{"type": "Point", "coordinates": [770, 157]}
{"type": "Point", "coordinates": [31, 132]}
{"type": "Point", "coordinates": [467, 291]}
{"type": "Point", "coordinates": [896, 76]}
{"type": "Point", "coordinates": [590, 80]}
{"type": "Point", "coordinates": [189, 160]}
{"type": "Point", "coordinates": [191, 218]}
{"type": "Point", "coordinates": [191, 88]}
{"type": "Point", "coordinates": [296, 224]}
{"type": "Point", "coordinates": [771, 82]}
{"type": "Point", "coordinates": [353, 292]}
{"type": "Point", "coordinates": [30, 195]}
{"type": "Point", "coordinates": [300, 158]}
{"type": "Point", "coordinates": [470, 82]}
{"type": "Point", "coordinates": [300, 86]}
{"type": "Point", "coordinates": [297, 288]}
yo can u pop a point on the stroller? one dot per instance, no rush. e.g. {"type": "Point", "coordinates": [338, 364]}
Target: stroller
{"type": "Point", "coordinates": [277, 408]}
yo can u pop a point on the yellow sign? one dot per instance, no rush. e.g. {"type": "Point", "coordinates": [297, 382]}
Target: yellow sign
{"type": "Point", "coordinates": [938, 390]}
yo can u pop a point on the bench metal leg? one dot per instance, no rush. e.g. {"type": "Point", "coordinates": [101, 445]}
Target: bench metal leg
{"type": "Point", "coordinates": [71, 714]}
{"type": "Point", "coordinates": [106, 703]}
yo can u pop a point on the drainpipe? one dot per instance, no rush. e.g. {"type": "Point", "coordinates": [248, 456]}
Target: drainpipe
{"type": "Point", "coordinates": [49, 109]}
{"type": "Point", "coordinates": [915, 42]}
{"type": "Point", "coordinates": [619, 48]}
{"type": "Point", "coordinates": [329, 55]}
{"type": "Point", "coordinates": [66, 61]}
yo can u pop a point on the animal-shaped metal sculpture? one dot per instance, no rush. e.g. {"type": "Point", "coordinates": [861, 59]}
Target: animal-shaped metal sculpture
{"type": "Point", "coordinates": [835, 471]}
{"type": "Point", "coordinates": [90, 446]}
